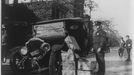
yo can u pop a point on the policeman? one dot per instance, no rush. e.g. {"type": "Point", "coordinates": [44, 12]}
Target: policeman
{"type": "Point", "coordinates": [100, 46]}
{"type": "Point", "coordinates": [128, 47]}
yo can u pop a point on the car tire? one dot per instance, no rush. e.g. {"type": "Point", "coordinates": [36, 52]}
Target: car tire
{"type": "Point", "coordinates": [13, 64]}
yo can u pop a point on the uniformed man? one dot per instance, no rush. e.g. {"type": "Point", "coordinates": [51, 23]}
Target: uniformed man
{"type": "Point", "coordinates": [100, 46]}
{"type": "Point", "coordinates": [128, 47]}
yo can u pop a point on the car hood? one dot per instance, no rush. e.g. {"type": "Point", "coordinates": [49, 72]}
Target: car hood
{"type": "Point", "coordinates": [54, 39]}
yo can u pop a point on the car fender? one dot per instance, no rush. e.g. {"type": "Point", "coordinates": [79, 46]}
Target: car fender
{"type": "Point", "coordinates": [15, 50]}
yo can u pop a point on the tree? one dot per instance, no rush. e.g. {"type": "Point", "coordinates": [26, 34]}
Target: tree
{"type": "Point", "coordinates": [17, 12]}
{"type": "Point", "coordinates": [89, 5]}
{"type": "Point", "coordinates": [78, 8]}
{"type": "Point", "coordinates": [42, 9]}
{"type": "Point", "coordinates": [68, 8]}
{"type": "Point", "coordinates": [112, 34]}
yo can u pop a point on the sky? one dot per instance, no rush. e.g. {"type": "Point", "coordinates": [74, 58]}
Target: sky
{"type": "Point", "coordinates": [119, 11]}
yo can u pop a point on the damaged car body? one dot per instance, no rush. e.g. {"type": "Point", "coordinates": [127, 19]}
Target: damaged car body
{"type": "Point", "coordinates": [43, 50]}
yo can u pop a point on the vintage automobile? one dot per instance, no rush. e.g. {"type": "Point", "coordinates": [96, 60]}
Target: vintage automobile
{"type": "Point", "coordinates": [43, 50]}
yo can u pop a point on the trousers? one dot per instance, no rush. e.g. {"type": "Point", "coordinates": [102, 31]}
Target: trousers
{"type": "Point", "coordinates": [128, 51]}
{"type": "Point", "coordinates": [100, 57]}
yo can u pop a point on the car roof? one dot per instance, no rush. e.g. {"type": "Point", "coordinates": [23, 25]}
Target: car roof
{"type": "Point", "coordinates": [59, 20]}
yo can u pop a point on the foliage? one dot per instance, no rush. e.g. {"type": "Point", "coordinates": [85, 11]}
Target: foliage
{"type": "Point", "coordinates": [43, 10]}
{"type": "Point", "coordinates": [89, 5]}
{"type": "Point", "coordinates": [18, 13]}
{"type": "Point", "coordinates": [69, 8]}
{"type": "Point", "coordinates": [113, 35]}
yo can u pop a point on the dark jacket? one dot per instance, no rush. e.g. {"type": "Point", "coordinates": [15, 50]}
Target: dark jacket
{"type": "Point", "coordinates": [129, 43]}
{"type": "Point", "coordinates": [100, 40]}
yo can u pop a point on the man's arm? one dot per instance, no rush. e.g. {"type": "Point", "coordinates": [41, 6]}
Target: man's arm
{"type": "Point", "coordinates": [130, 42]}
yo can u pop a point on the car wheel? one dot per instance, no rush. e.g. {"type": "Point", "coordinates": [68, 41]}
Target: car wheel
{"type": "Point", "coordinates": [14, 60]}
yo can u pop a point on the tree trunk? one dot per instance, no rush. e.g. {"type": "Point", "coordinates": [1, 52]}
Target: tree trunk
{"type": "Point", "coordinates": [78, 8]}
{"type": "Point", "coordinates": [55, 10]}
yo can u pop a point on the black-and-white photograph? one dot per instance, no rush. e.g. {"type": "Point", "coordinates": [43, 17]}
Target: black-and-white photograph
{"type": "Point", "coordinates": [66, 37]}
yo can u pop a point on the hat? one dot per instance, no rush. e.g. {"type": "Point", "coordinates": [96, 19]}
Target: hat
{"type": "Point", "coordinates": [127, 35]}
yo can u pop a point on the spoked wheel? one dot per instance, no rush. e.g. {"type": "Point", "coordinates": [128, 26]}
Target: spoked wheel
{"type": "Point", "coordinates": [20, 64]}
{"type": "Point", "coordinates": [55, 63]}
{"type": "Point", "coordinates": [14, 63]}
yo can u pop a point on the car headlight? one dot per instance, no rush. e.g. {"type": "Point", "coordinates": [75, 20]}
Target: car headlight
{"type": "Point", "coordinates": [45, 46]}
{"type": "Point", "coordinates": [23, 51]}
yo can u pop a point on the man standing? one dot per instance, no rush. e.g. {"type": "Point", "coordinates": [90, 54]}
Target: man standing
{"type": "Point", "coordinates": [128, 47]}
{"type": "Point", "coordinates": [100, 46]}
